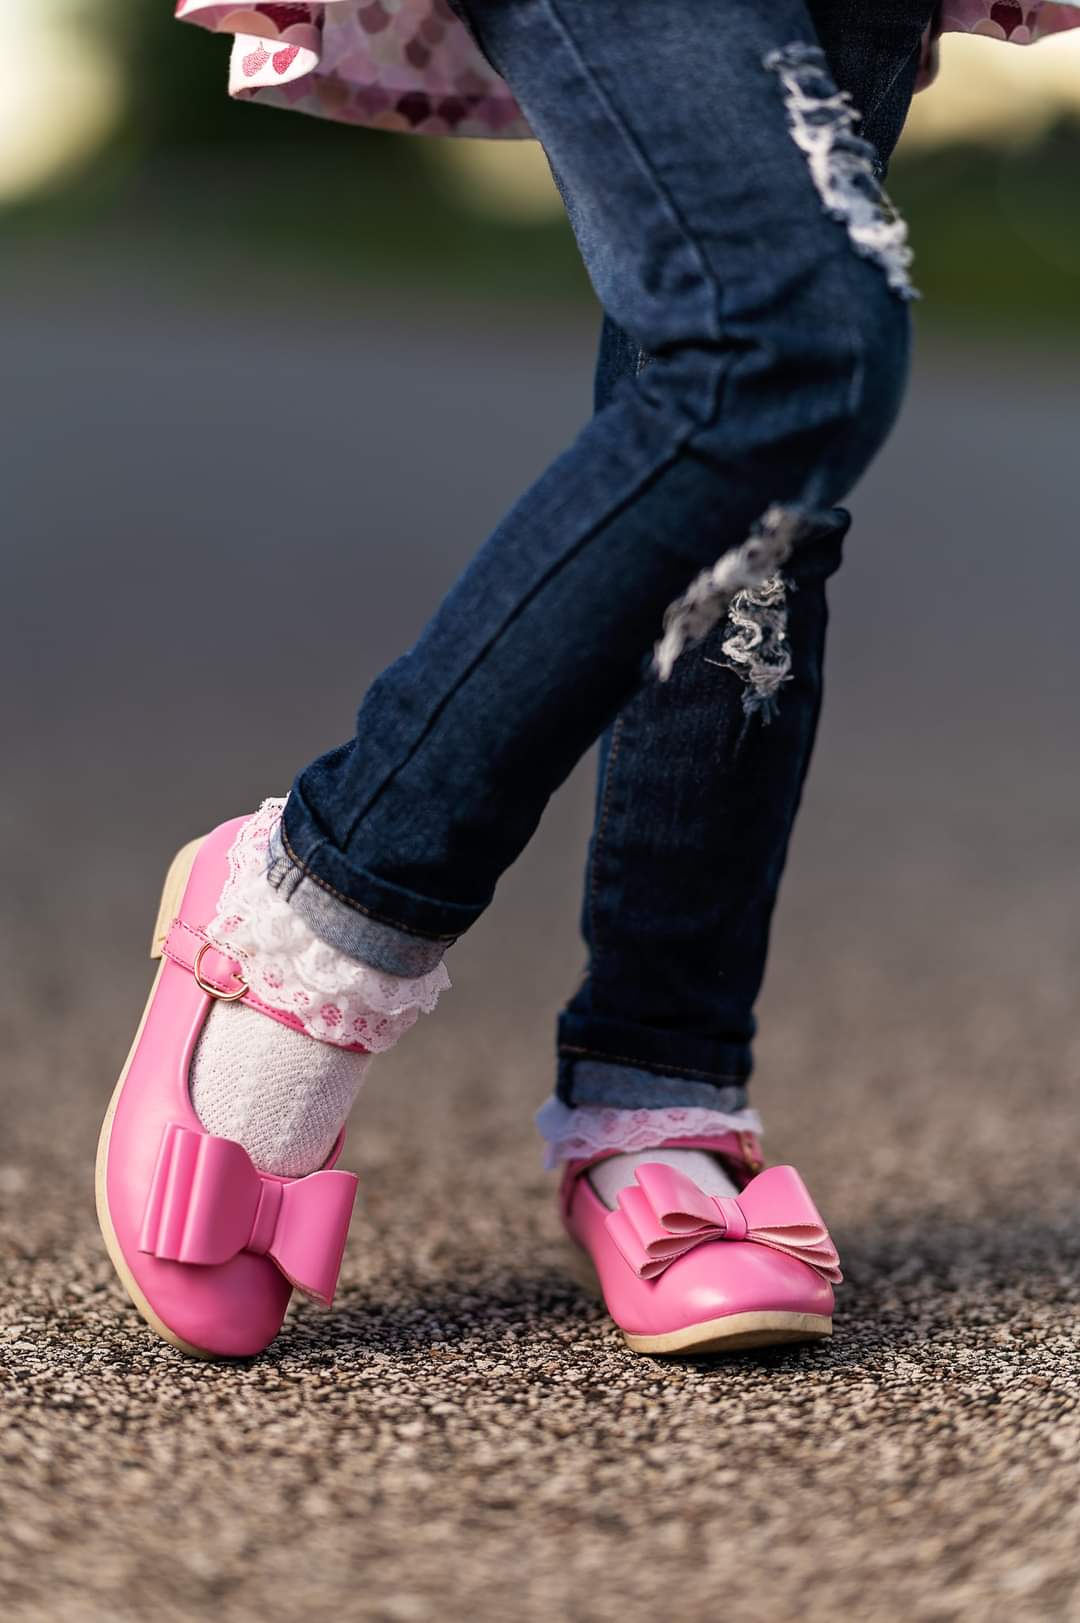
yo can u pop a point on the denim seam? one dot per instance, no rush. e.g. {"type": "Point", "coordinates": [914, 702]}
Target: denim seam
{"type": "Point", "coordinates": [605, 808]}
{"type": "Point", "coordinates": [868, 113]}
{"type": "Point", "coordinates": [691, 1072]}
{"type": "Point", "coordinates": [711, 280]}
{"type": "Point", "coordinates": [647, 168]}
{"type": "Point", "coordinates": [718, 321]}
{"type": "Point", "coordinates": [358, 907]}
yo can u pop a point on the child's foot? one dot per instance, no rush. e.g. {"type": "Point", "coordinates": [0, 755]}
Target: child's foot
{"type": "Point", "coordinates": [617, 1172]}
{"type": "Point", "coordinates": [279, 1093]}
{"type": "Point", "coordinates": [215, 1186]}
{"type": "Point", "coordinates": [696, 1254]}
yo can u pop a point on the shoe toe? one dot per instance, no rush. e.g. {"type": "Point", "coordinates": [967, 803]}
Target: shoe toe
{"type": "Point", "coordinates": [716, 1280]}
{"type": "Point", "coordinates": [231, 1311]}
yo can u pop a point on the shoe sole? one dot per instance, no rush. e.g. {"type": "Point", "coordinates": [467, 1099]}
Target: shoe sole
{"type": "Point", "coordinates": [171, 896]}
{"type": "Point", "coordinates": [732, 1333]}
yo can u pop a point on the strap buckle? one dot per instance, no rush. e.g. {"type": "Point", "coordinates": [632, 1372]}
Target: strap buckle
{"type": "Point", "coordinates": [205, 986]}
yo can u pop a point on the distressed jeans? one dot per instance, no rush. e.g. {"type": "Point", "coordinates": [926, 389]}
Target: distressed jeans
{"type": "Point", "coordinates": [661, 586]}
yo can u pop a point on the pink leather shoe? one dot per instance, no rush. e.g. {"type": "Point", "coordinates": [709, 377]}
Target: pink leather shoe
{"type": "Point", "coordinates": [208, 1248]}
{"type": "Point", "coordinates": [686, 1272]}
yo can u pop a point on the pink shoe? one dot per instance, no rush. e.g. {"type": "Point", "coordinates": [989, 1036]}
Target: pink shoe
{"type": "Point", "coordinates": [671, 1285]}
{"type": "Point", "coordinates": [208, 1248]}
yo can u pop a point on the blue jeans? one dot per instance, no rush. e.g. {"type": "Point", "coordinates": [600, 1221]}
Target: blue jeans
{"type": "Point", "coordinates": [753, 356]}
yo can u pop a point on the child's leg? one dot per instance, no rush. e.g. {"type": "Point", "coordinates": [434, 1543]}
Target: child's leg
{"type": "Point", "coordinates": [732, 226]}
{"type": "Point", "coordinates": [697, 794]}
{"type": "Point", "coordinates": [699, 784]}
{"type": "Point", "coordinates": [778, 337]}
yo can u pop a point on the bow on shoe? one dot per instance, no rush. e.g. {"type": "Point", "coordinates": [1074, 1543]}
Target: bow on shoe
{"type": "Point", "coordinates": [207, 1203]}
{"type": "Point", "coordinates": [665, 1214]}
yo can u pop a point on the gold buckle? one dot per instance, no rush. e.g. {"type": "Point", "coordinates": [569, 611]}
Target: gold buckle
{"type": "Point", "coordinates": [223, 997]}
{"type": "Point", "coordinates": [748, 1145]}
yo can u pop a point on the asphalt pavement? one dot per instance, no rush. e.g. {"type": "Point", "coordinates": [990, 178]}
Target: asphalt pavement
{"type": "Point", "coordinates": [221, 516]}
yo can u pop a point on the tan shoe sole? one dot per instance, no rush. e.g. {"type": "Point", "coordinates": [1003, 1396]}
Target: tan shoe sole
{"type": "Point", "coordinates": [171, 896]}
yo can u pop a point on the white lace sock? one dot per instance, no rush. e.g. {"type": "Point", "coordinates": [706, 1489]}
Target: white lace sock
{"type": "Point", "coordinates": [281, 1094]}
{"type": "Point", "coordinates": [284, 1093]}
{"type": "Point", "coordinates": [617, 1171]}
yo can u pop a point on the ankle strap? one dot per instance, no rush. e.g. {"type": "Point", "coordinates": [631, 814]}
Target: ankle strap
{"type": "Point", "coordinates": [221, 977]}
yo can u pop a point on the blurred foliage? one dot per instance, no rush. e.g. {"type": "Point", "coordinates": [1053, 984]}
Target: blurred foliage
{"type": "Point", "coordinates": [996, 232]}
{"type": "Point", "coordinates": [195, 175]}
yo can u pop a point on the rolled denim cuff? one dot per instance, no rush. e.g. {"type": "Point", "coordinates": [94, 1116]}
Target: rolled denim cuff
{"type": "Point", "coordinates": [632, 1087]}
{"type": "Point", "coordinates": [340, 923]}
{"type": "Point", "coordinates": [628, 1066]}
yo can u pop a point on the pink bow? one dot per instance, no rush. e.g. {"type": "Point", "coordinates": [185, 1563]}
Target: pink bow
{"type": "Point", "coordinates": [665, 1214]}
{"type": "Point", "coordinates": [207, 1203]}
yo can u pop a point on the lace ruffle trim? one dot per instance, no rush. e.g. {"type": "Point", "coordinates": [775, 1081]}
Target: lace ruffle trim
{"type": "Point", "coordinates": [335, 998]}
{"type": "Point", "coordinates": [571, 1133]}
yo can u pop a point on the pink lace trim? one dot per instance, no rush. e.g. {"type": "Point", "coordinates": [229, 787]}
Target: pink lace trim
{"type": "Point", "coordinates": [571, 1133]}
{"type": "Point", "coordinates": [335, 998]}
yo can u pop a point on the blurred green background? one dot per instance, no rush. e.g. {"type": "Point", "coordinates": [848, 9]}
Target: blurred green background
{"type": "Point", "coordinates": [117, 135]}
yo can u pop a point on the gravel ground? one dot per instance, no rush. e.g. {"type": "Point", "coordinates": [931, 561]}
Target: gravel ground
{"type": "Point", "coordinates": [466, 1435]}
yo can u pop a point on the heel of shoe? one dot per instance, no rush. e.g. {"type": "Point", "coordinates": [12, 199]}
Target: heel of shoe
{"type": "Point", "coordinates": [173, 892]}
